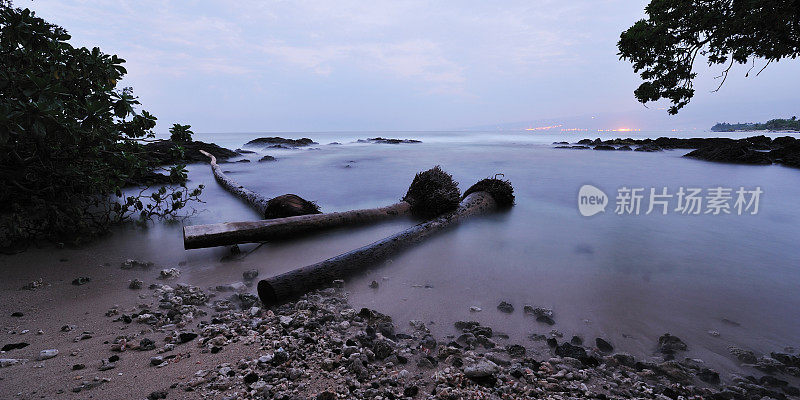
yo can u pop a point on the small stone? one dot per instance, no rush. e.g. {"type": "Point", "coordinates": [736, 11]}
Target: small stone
{"type": "Point", "coordinates": [481, 369]}
{"type": "Point", "coordinates": [17, 314]}
{"type": "Point", "coordinates": [326, 396]}
{"type": "Point", "coordinates": [106, 365]}
{"type": "Point", "coordinates": [505, 307]}
{"type": "Point", "coordinates": [475, 309]}
{"type": "Point", "coordinates": [113, 358]}
{"type": "Point", "coordinates": [374, 285]}
{"type": "Point", "coordinates": [47, 354]}
{"type": "Point", "coordinates": [136, 284]}
{"type": "Point", "coordinates": [184, 337]}
{"type": "Point", "coordinates": [411, 391]}
{"type": "Point", "coordinates": [78, 367]}
{"type": "Point", "coordinates": [250, 274]}
{"type": "Point", "coordinates": [169, 273]}
{"type": "Point", "coordinates": [250, 378]}
{"type": "Point", "coordinates": [81, 280]}
{"type": "Point", "coordinates": [576, 340]}
{"type": "Point", "coordinates": [713, 333]}
{"type": "Point", "coordinates": [146, 344]}
{"type": "Point", "coordinates": [516, 351]}
{"type": "Point", "coordinates": [157, 395]}
{"type": "Point", "coordinates": [603, 345]}
{"type": "Point", "coordinates": [157, 360]}
{"type": "Point", "coordinates": [668, 344]}
{"type": "Point", "coordinates": [7, 362]}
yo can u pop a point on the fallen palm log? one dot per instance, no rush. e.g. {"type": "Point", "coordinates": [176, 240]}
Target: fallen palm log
{"type": "Point", "coordinates": [431, 193]}
{"type": "Point", "coordinates": [286, 205]}
{"type": "Point", "coordinates": [485, 196]}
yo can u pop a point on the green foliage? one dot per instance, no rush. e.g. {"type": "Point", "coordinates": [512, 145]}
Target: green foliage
{"type": "Point", "coordinates": [180, 133]}
{"type": "Point", "coordinates": [777, 124]}
{"type": "Point", "coordinates": [69, 139]}
{"type": "Point", "coordinates": [663, 47]}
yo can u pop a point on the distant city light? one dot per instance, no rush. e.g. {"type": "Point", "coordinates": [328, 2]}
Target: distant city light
{"type": "Point", "coordinates": [544, 128]}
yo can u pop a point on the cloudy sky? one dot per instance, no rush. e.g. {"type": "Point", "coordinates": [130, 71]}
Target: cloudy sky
{"type": "Point", "coordinates": [318, 65]}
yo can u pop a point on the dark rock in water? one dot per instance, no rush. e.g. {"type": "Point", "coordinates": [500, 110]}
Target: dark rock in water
{"type": "Point", "coordinates": [624, 359]}
{"type": "Point", "coordinates": [552, 342]}
{"type": "Point", "coordinates": [668, 344]}
{"type": "Point", "coordinates": [768, 380]}
{"type": "Point", "coordinates": [585, 141]}
{"type": "Point", "coordinates": [267, 158]}
{"type": "Point", "coordinates": [78, 367]}
{"type": "Point", "coordinates": [545, 319]}
{"type": "Point", "coordinates": [568, 350]}
{"type": "Point", "coordinates": [250, 274]}
{"type": "Point", "coordinates": [163, 152]}
{"type": "Point", "coordinates": [731, 323]}
{"type": "Point", "coordinates": [648, 148]}
{"type": "Point", "coordinates": [576, 340]}
{"type": "Point", "coordinates": [113, 358]}
{"type": "Point", "coordinates": [289, 205]}
{"type": "Point", "coordinates": [560, 142]}
{"type": "Point", "coordinates": [243, 151]}
{"type": "Point", "coordinates": [81, 280]}
{"type": "Point", "coordinates": [738, 152]}
{"type": "Point", "coordinates": [14, 346]}
{"type": "Point", "coordinates": [708, 376]}
{"type": "Point", "coordinates": [625, 148]}
{"type": "Point", "coordinates": [603, 345]}
{"type": "Point", "coordinates": [184, 337]}
{"type": "Point", "coordinates": [788, 154]}
{"type": "Point", "coordinates": [382, 349]}
{"type": "Point", "coordinates": [604, 147]}
{"type": "Point", "coordinates": [387, 140]}
{"type": "Point", "coordinates": [573, 147]}
{"type": "Point", "coordinates": [589, 361]}
{"type": "Point", "coordinates": [468, 325]}
{"type": "Point", "coordinates": [515, 350]}
{"type": "Point", "coordinates": [268, 141]}
{"type": "Point", "coordinates": [17, 314]}
{"type": "Point", "coordinates": [136, 284]}
{"type": "Point", "coordinates": [505, 307]}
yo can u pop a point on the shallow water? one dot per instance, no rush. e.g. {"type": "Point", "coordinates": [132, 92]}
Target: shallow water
{"type": "Point", "coordinates": [626, 278]}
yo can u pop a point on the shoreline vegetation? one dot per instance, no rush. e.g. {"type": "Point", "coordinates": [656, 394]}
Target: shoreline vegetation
{"type": "Point", "coordinates": [773, 125]}
{"type": "Point", "coordinates": [756, 150]}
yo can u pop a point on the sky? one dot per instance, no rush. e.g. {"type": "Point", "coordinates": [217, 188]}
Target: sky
{"type": "Point", "coordinates": [321, 65]}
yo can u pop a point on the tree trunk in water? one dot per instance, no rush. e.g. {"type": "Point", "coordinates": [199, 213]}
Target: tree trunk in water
{"type": "Point", "coordinates": [431, 193]}
{"type": "Point", "coordinates": [228, 233]}
{"type": "Point", "coordinates": [286, 205]}
{"type": "Point", "coordinates": [294, 283]}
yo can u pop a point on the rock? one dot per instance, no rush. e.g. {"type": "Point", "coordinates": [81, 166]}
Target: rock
{"type": "Point", "coordinates": [387, 141]}
{"type": "Point", "coordinates": [326, 396]}
{"type": "Point", "coordinates": [250, 274]}
{"type": "Point", "coordinates": [603, 345]}
{"type": "Point", "coordinates": [279, 142]}
{"type": "Point", "coordinates": [708, 376]}
{"type": "Point", "coordinates": [624, 359]}
{"type": "Point", "coordinates": [568, 350]}
{"type": "Point", "coordinates": [668, 344]}
{"type": "Point", "coordinates": [545, 319]}
{"type": "Point", "coordinates": [106, 365]}
{"type": "Point", "coordinates": [411, 391]}
{"type": "Point", "coordinates": [7, 362]}
{"type": "Point", "coordinates": [131, 264]}
{"type": "Point", "coordinates": [14, 346]}
{"type": "Point", "coordinates": [516, 350]}
{"type": "Point", "coordinates": [250, 378]}
{"type": "Point", "coordinates": [47, 354]}
{"type": "Point", "coordinates": [81, 280]}
{"type": "Point", "coordinates": [604, 147]}
{"type": "Point", "coordinates": [136, 284]}
{"type": "Point", "coordinates": [374, 284]}
{"type": "Point", "coordinates": [169, 273]}
{"type": "Point", "coordinates": [382, 349]}
{"type": "Point", "coordinates": [481, 369]}
{"type": "Point", "coordinates": [159, 394]}
{"type": "Point", "coordinates": [625, 148]}
{"type": "Point", "coordinates": [162, 152]}
{"type": "Point", "coordinates": [475, 309]}
{"type": "Point", "coordinates": [146, 344]}
{"type": "Point", "coordinates": [267, 158]}
{"type": "Point", "coordinates": [745, 356]}
{"type": "Point", "coordinates": [551, 342]}
{"type": "Point", "coordinates": [505, 307]}
{"type": "Point", "coordinates": [713, 333]}
{"type": "Point", "coordinates": [184, 337]}
{"type": "Point", "coordinates": [17, 314]}
{"type": "Point", "coordinates": [738, 152]}
{"type": "Point", "coordinates": [156, 360]}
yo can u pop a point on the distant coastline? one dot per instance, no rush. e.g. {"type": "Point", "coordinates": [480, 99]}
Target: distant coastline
{"type": "Point", "coordinates": [773, 125]}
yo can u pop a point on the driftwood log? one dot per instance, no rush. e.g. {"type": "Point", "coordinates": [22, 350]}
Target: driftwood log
{"type": "Point", "coordinates": [431, 193]}
{"type": "Point", "coordinates": [485, 196]}
{"type": "Point", "coordinates": [286, 205]}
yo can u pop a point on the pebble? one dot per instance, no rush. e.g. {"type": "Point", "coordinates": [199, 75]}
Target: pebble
{"type": "Point", "coordinates": [250, 274]}
{"type": "Point", "coordinates": [136, 284]}
{"type": "Point", "coordinates": [47, 354]}
{"type": "Point", "coordinates": [475, 309]}
{"type": "Point", "coordinates": [374, 284]}
{"type": "Point", "coordinates": [505, 307]}
{"type": "Point", "coordinates": [169, 273]}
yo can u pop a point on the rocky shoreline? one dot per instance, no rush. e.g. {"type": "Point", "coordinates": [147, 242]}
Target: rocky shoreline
{"type": "Point", "coordinates": [320, 347]}
{"type": "Point", "coordinates": [757, 150]}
